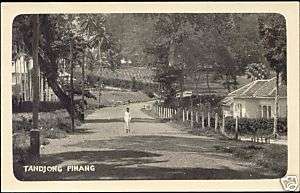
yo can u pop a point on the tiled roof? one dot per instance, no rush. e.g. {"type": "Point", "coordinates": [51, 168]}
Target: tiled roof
{"type": "Point", "coordinates": [257, 89]}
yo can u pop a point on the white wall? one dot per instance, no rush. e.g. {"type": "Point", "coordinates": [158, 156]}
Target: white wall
{"type": "Point", "coordinates": [251, 108]}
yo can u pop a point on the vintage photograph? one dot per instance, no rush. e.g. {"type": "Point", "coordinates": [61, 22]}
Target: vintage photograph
{"type": "Point", "coordinates": [149, 96]}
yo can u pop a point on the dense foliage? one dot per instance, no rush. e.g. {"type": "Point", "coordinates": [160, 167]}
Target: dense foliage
{"type": "Point", "coordinates": [259, 126]}
{"type": "Point", "coordinates": [179, 46]}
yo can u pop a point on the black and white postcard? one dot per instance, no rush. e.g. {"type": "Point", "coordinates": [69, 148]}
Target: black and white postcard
{"type": "Point", "coordinates": [143, 94]}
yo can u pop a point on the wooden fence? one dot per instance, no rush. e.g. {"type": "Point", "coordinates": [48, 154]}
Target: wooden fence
{"type": "Point", "coordinates": [200, 118]}
{"type": "Point", "coordinates": [192, 117]}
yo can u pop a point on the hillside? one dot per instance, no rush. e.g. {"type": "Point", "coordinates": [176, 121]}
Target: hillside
{"type": "Point", "coordinates": [146, 75]}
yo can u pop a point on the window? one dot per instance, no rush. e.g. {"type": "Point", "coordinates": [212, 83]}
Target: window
{"type": "Point", "coordinates": [269, 112]}
{"type": "Point", "coordinates": [266, 112]}
{"type": "Point", "coordinates": [238, 109]}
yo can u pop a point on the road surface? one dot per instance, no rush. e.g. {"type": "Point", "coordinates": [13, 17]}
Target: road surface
{"type": "Point", "coordinates": [154, 150]}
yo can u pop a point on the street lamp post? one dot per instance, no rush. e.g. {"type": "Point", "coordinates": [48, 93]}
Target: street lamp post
{"type": "Point", "coordinates": [34, 133]}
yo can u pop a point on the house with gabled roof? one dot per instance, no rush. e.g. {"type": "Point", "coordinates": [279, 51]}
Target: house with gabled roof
{"type": "Point", "coordinates": [256, 100]}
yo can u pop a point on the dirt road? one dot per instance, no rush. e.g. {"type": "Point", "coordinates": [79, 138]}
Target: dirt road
{"type": "Point", "coordinates": [154, 150]}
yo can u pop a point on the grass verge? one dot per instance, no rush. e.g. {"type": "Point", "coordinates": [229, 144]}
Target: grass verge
{"type": "Point", "coordinates": [272, 157]}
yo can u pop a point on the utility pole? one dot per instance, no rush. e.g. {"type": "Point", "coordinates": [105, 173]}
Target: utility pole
{"type": "Point", "coordinates": [100, 67]}
{"type": "Point", "coordinates": [72, 88]}
{"type": "Point", "coordinates": [83, 85]}
{"type": "Point", "coordinates": [100, 87]}
{"type": "Point", "coordinates": [276, 106]}
{"type": "Point", "coordinates": [34, 133]}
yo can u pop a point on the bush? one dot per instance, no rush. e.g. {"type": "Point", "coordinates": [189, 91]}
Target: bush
{"type": "Point", "coordinates": [258, 126]}
{"type": "Point", "coordinates": [53, 133]}
{"type": "Point", "coordinates": [58, 120]}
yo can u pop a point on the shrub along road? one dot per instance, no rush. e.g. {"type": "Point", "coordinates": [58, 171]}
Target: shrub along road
{"type": "Point", "coordinates": [154, 150]}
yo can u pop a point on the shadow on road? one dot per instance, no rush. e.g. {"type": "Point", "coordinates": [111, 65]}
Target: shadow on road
{"type": "Point", "coordinates": [78, 131]}
{"type": "Point", "coordinates": [121, 165]}
{"type": "Point", "coordinates": [153, 143]}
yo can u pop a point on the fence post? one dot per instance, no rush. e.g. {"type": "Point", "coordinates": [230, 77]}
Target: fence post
{"type": "Point", "coordinates": [216, 122]}
{"type": "Point", "coordinates": [192, 118]}
{"type": "Point", "coordinates": [223, 125]}
{"type": "Point", "coordinates": [167, 112]}
{"type": "Point", "coordinates": [236, 127]}
{"type": "Point", "coordinates": [159, 111]}
{"type": "Point", "coordinates": [202, 120]}
{"type": "Point", "coordinates": [208, 119]}
{"type": "Point", "coordinates": [197, 117]}
{"type": "Point", "coordinates": [183, 116]}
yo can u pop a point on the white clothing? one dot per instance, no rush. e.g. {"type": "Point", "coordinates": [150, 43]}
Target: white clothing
{"type": "Point", "coordinates": [127, 117]}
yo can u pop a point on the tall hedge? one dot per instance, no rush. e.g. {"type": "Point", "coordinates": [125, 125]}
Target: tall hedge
{"type": "Point", "coordinates": [259, 126]}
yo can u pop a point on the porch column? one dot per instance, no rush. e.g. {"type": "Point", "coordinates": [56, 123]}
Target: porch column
{"type": "Point", "coordinates": [187, 115]}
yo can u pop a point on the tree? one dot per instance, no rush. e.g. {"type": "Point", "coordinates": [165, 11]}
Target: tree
{"type": "Point", "coordinates": [257, 71]}
{"type": "Point", "coordinates": [273, 34]}
{"type": "Point", "coordinates": [57, 32]}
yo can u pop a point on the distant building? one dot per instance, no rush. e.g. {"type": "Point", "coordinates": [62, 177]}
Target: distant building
{"type": "Point", "coordinates": [256, 100]}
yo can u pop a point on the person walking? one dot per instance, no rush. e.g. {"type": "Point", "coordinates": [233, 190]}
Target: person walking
{"type": "Point", "coordinates": [127, 119]}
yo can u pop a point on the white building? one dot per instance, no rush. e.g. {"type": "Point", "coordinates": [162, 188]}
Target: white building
{"type": "Point", "coordinates": [21, 81]}
{"type": "Point", "coordinates": [256, 100]}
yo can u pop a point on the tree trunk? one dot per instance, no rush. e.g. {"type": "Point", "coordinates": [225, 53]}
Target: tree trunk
{"type": "Point", "coordinates": [171, 54]}
{"type": "Point", "coordinates": [207, 82]}
{"type": "Point", "coordinates": [63, 97]}
{"type": "Point", "coordinates": [181, 109]}
{"type": "Point", "coordinates": [72, 89]}
{"type": "Point", "coordinates": [99, 50]}
{"type": "Point", "coordinates": [44, 89]}
{"type": "Point", "coordinates": [83, 81]}
{"type": "Point", "coordinates": [192, 114]}
{"type": "Point", "coordinates": [276, 105]}
{"type": "Point", "coordinates": [28, 81]}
